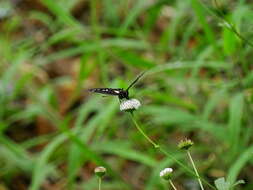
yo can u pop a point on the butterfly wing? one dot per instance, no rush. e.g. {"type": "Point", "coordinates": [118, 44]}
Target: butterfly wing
{"type": "Point", "coordinates": [120, 92]}
{"type": "Point", "coordinates": [108, 91]}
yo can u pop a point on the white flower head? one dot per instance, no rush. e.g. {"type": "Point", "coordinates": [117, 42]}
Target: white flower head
{"type": "Point", "coordinates": [166, 173]}
{"type": "Point", "coordinates": [129, 105]}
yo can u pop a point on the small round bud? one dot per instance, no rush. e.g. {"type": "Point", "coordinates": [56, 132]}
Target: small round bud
{"type": "Point", "coordinates": [100, 171]}
{"type": "Point", "coordinates": [185, 144]}
{"type": "Point", "coordinates": [166, 173]}
{"type": "Point", "coordinates": [130, 105]}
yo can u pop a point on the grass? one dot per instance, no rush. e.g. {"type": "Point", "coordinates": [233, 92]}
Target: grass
{"type": "Point", "coordinates": [198, 85]}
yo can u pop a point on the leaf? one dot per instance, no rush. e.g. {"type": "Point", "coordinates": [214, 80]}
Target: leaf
{"type": "Point", "coordinates": [213, 101]}
{"type": "Point", "coordinates": [93, 46]}
{"type": "Point", "coordinates": [221, 184]}
{"type": "Point", "coordinates": [239, 182]}
{"type": "Point", "coordinates": [15, 154]}
{"type": "Point", "coordinates": [133, 14]}
{"type": "Point", "coordinates": [134, 59]}
{"type": "Point", "coordinates": [76, 156]}
{"type": "Point", "coordinates": [62, 14]}
{"type": "Point", "coordinates": [248, 80]}
{"type": "Point", "coordinates": [229, 41]}
{"type": "Point", "coordinates": [201, 14]}
{"type": "Point", "coordinates": [235, 120]}
{"type": "Point", "coordinates": [120, 148]}
{"type": "Point", "coordinates": [41, 167]}
{"type": "Point", "coordinates": [239, 164]}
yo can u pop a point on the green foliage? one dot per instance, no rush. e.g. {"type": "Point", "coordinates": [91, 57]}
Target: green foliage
{"type": "Point", "coordinates": [198, 84]}
{"type": "Point", "coordinates": [221, 184]}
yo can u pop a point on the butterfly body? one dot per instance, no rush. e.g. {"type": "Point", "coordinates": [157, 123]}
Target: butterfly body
{"type": "Point", "coordinates": [120, 92]}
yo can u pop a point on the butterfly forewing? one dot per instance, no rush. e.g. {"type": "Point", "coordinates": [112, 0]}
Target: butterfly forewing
{"type": "Point", "coordinates": [109, 91]}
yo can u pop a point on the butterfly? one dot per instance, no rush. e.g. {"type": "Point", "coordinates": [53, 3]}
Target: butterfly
{"type": "Point", "coordinates": [120, 92]}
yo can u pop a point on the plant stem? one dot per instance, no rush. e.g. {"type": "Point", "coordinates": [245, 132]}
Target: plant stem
{"type": "Point", "coordinates": [173, 186]}
{"type": "Point", "coordinates": [143, 133]}
{"type": "Point", "coordinates": [99, 183]}
{"type": "Point", "coordinates": [231, 27]}
{"type": "Point", "coordinates": [159, 147]}
{"type": "Point", "coordinates": [195, 169]}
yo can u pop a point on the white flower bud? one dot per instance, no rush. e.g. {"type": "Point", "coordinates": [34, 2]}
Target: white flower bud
{"type": "Point", "coordinates": [100, 171]}
{"type": "Point", "coordinates": [130, 105]}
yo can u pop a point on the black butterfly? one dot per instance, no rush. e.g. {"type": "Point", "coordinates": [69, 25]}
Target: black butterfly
{"type": "Point", "coordinates": [120, 92]}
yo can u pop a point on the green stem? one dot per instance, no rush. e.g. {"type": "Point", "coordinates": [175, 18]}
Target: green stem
{"type": "Point", "coordinates": [231, 26]}
{"type": "Point", "coordinates": [195, 169]}
{"type": "Point", "coordinates": [173, 186]}
{"type": "Point", "coordinates": [159, 147]}
{"type": "Point", "coordinates": [99, 183]}
{"type": "Point", "coordinates": [143, 133]}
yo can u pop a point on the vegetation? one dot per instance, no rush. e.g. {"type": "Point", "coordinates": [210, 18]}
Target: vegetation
{"type": "Point", "coordinates": [198, 85]}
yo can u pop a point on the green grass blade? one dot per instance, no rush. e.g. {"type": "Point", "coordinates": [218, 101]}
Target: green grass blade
{"type": "Point", "coordinates": [238, 165]}
{"type": "Point", "coordinates": [235, 123]}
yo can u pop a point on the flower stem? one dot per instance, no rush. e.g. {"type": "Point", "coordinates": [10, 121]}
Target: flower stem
{"type": "Point", "coordinates": [143, 133]}
{"type": "Point", "coordinates": [173, 186]}
{"type": "Point", "coordinates": [159, 147]}
{"type": "Point", "coordinates": [99, 183]}
{"type": "Point", "coordinates": [195, 169]}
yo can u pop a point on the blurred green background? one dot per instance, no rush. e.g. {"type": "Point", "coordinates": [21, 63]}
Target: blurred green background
{"type": "Point", "coordinates": [198, 58]}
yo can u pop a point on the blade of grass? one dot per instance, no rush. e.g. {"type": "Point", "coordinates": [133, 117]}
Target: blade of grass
{"type": "Point", "coordinates": [19, 155]}
{"type": "Point", "coordinates": [122, 150]}
{"type": "Point", "coordinates": [75, 156]}
{"type": "Point", "coordinates": [139, 6]}
{"type": "Point", "coordinates": [41, 165]}
{"type": "Point", "coordinates": [134, 59]}
{"type": "Point", "coordinates": [61, 12]}
{"type": "Point", "coordinates": [234, 125]}
{"type": "Point", "coordinates": [92, 46]}
{"type": "Point", "coordinates": [237, 166]}
{"type": "Point", "coordinates": [209, 34]}
{"type": "Point", "coordinates": [213, 102]}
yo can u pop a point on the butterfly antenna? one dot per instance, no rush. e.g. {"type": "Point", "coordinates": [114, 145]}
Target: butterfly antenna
{"type": "Point", "coordinates": [137, 78]}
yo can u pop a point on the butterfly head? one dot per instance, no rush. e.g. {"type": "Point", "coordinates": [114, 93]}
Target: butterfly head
{"type": "Point", "coordinates": [124, 94]}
